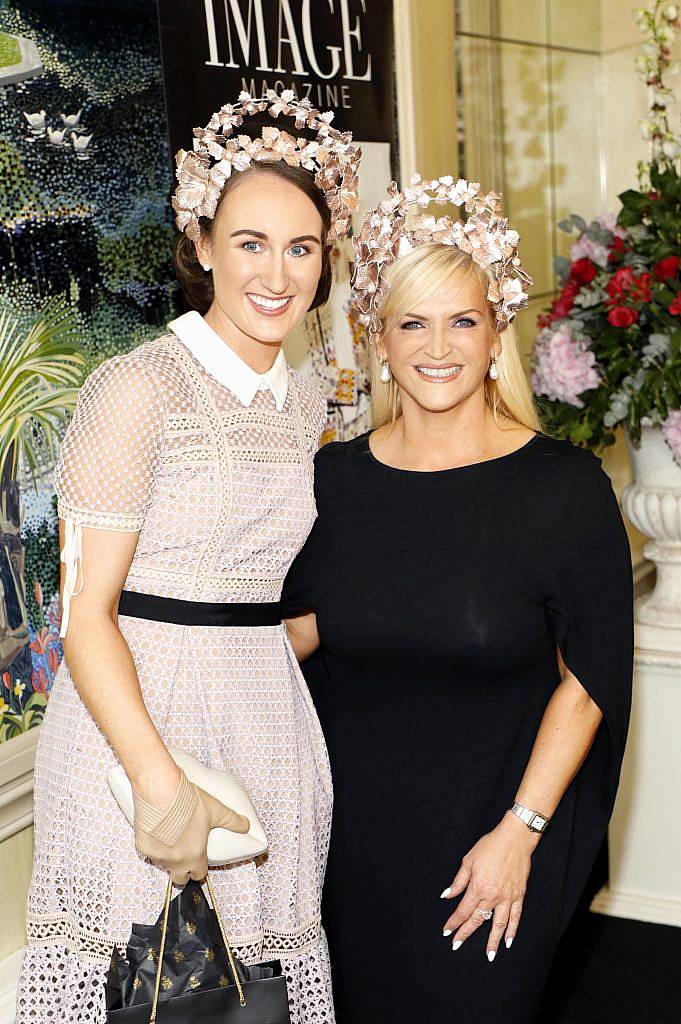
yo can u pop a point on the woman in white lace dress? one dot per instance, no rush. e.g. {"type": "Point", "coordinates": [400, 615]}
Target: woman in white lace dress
{"type": "Point", "coordinates": [186, 474]}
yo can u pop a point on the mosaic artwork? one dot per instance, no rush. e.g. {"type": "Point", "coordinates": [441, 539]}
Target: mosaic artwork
{"type": "Point", "coordinates": [85, 220]}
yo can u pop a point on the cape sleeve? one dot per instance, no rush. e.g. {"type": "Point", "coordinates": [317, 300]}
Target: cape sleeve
{"type": "Point", "coordinates": [310, 571]}
{"type": "Point", "coordinates": [108, 459]}
{"type": "Point", "coordinates": [590, 600]}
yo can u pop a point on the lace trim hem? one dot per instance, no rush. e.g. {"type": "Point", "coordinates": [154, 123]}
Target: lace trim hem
{"type": "Point", "coordinates": [179, 424]}
{"type": "Point", "coordinates": [187, 575]}
{"type": "Point", "coordinates": [60, 930]}
{"type": "Point", "coordinates": [205, 456]}
{"type": "Point", "coordinates": [219, 587]}
{"type": "Point", "coordinates": [101, 520]}
{"type": "Point", "coordinates": [269, 456]}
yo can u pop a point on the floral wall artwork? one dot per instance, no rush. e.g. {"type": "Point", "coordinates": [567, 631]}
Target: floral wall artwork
{"type": "Point", "coordinates": [84, 224]}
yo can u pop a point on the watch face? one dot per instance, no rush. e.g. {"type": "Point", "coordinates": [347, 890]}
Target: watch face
{"type": "Point", "coordinates": [538, 823]}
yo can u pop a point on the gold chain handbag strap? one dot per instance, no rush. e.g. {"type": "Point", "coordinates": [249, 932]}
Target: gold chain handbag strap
{"type": "Point", "coordinates": [164, 930]}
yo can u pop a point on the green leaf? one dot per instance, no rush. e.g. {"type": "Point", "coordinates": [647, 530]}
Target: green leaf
{"type": "Point", "coordinates": [581, 432]}
{"type": "Point", "coordinates": [663, 294]}
{"type": "Point", "coordinates": [39, 378]}
{"type": "Point", "coordinates": [36, 700]}
{"type": "Point", "coordinates": [7, 731]}
{"type": "Point", "coordinates": [675, 344]}
{"type": "Point", "coordinates": [633, 200]}
{"type": "Point", "coordinates": [13, 719]}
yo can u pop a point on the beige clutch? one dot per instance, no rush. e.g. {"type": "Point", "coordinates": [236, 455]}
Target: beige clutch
{"type": "Point", "coordinates": [224, 847]}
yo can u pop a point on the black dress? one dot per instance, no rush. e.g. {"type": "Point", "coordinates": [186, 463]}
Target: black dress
{"type": "Point", "coordinates": [440, 598]}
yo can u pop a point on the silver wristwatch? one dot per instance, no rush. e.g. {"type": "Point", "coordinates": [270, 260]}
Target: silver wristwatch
{"type": "Point", "coordinates": [535, 821]}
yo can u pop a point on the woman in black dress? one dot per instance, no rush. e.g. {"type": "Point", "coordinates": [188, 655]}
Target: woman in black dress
{"type": "Point", "coordinates": [470, 581]}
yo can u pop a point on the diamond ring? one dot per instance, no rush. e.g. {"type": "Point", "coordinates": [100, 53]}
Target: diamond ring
{"type": "Point", "coordinates": [485, 914]}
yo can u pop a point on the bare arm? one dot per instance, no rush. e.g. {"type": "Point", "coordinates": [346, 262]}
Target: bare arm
{"type": "Point", "coordinates": [302, 632]}
{"type": "Point", "coordinates": [566, 734]}
{"type": "Point", "coordinates": [104, 673]}
{"type": "Point", "coordinates": [103, 669]}
{"type": "Point", "coordinates": [494, 872]}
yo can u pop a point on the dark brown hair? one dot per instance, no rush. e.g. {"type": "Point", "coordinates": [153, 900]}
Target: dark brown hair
{"type": "Point", "coordinates": [197, 284]}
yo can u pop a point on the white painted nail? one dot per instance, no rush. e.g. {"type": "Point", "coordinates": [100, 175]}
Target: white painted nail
{"type": "Point", "coordinates": [445, 892]}
{"type": "Point", "coordinates": [509, 942]}
{"type": "Point", "coordinates": [492, 953]}
{"type": "Point", "coordinates": [457, 944]}
{"type": "Point", "coordinates": [447, 931]}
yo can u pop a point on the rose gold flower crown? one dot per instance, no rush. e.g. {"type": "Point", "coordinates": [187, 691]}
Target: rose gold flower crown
{"type": "Point", "coordinates": [332, 157]}
{"type": "Point", "coordinates": [484, 235]}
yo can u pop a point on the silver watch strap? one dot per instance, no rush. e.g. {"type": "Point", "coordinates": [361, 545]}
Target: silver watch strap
{"type": "Point", "coordinates": [535, 821]}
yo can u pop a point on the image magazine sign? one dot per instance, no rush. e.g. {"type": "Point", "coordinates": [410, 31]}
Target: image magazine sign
{"type": "Point", "coordinates": [337, 53]}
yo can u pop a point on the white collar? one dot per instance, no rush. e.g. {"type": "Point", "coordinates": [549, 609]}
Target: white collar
{"type": "Point", "coordinates": [225, 365]}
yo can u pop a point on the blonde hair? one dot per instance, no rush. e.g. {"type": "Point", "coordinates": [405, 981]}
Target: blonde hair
{"type": "Point", "coordinates": [418, 276]}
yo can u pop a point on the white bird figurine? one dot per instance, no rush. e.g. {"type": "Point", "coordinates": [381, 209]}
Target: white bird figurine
{"type": "Point", "coordinates": [37, 120]}
{"type": "Point", "coordinates": [72, 120]}
{"type": "Point", "coordinates": [56, 136]}
{"type": "Point", "coordinates": [80, 142]}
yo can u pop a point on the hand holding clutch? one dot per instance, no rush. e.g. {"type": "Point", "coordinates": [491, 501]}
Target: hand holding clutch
{"type": "Point", "coordinates": [220, 792]}
{"type": "Point", "coordinates": [177, 839]}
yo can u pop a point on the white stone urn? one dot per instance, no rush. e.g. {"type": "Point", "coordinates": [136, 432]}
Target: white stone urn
{"type": "Point", "coordinates": [653, 504]}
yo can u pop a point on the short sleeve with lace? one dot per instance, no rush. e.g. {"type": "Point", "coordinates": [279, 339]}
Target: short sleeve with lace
{"type": "Point", "coordinates": [108, 458]}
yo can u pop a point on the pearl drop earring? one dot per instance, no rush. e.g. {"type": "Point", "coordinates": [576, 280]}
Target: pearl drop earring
{"type": "Point", "coordinates": [206, 266]}
{"type": "Point", "coordinates": [385, 373]}
{"type": "Point", "coordinates": [493, 371]}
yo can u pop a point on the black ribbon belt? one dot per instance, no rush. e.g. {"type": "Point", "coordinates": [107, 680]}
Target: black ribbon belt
{"type": "Point", "coordinates": [197, 613]}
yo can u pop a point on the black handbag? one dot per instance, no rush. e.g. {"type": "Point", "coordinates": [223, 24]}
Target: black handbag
{"type": "Point", "coordinates": [197, 979]}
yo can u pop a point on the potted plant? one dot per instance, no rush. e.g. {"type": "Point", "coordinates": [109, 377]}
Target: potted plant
{"type": "Point", "coordinates": [608, 354]}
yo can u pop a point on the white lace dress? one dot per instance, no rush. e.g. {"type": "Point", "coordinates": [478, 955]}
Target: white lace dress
{"type": "Point", "coordinates": [221, 493]}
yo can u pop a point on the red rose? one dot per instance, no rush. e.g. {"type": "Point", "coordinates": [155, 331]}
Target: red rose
{"type": "Point", "coordinates": [622, 316]}
{"type": "Point", "coordinates": [642, 287]}
{"type": "Point", "coordinates": [639, 290]}
{"type": "Point", "coordinates": [667, 268]}
{"type": "Point", "coordinates": [624, 285]}
{"type": "Point", "coordinates": [620, 283]}
{"type": "Point", "coordinates": [617, 248]}
{"type": "Point", "coordinates": [565, 301]}
{"type": "Point", "coordinates": [560, 306]}
{"type": "Point", "coordinates": [675, 307]}
{"type": "Point", "coordinates": [582, 271]}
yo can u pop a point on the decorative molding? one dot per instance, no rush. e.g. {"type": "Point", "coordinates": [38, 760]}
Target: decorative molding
{"type": "Point", "coordinates": [664, 661]}
{"type": "Point", "coordinates": [657, 513]}
{"type": "Point", "coordinates": [17, 760]}
{"type": "Point", "coordinates": [9, 976]}
{"type": "Point", "coordinates": [644, 576]}
{"type": "Point", "coordinates": [656, 647]}
{"type": "Point", "coordinates": [637, 906]}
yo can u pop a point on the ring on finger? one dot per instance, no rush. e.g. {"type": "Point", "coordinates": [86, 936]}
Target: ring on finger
{"type": "Point", "coordinates": [486, 915]}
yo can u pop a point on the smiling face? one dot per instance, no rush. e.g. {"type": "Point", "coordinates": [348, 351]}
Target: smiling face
{"type": "Point", "coordinates": [440, 350]}
{"type": "Point", "coordinates": [265, 252]}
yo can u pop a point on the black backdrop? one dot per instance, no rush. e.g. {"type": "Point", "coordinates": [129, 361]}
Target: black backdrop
{"type": "Point", "coordinates": [338, 53]}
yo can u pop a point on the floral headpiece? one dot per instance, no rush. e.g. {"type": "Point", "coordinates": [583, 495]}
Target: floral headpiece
{"type": "Point", "coordinates": [484, 235]}
{"type": "Point", "coordinates": [331, 156]}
